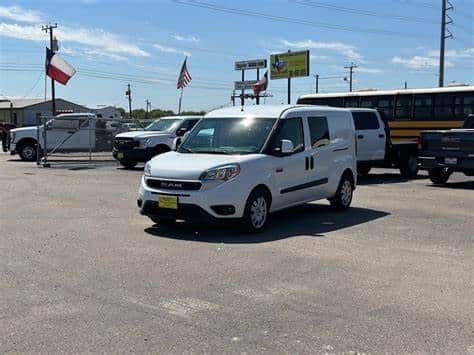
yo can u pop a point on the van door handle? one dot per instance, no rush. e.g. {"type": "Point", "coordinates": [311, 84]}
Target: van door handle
{"type": "Point", "coordinates": [381, 135]}
{"type": "Point", "coordinates": [312, 163]}
{"type": "Point", "coordinates": [71, 132]}
{"type": "Point", "coordinates": [307, 163]}
{"type": "Point", "coordinates": [360, 136]}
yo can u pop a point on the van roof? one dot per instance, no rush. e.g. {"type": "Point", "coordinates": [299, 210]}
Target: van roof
{"type": "Point", "coordinates": [266, 111]}
{"type": "Point", "coordinates": [179, 117]}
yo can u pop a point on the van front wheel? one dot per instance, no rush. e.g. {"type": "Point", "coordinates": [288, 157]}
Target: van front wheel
{"type": "Point", "coordinates": [343, 198]}
{"type": "Point", "coordinates": [256, 212]}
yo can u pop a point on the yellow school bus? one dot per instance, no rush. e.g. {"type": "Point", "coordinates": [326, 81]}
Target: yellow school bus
{"type": "Point", "coordinates": [408, 111]}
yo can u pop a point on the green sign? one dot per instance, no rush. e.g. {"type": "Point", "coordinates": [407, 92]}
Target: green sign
{"type": "Point", "coordinates": [289, 65]}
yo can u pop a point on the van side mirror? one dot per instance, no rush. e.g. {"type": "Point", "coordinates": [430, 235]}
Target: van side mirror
{"type": "Point", "coordinates": [180, 132]}
{"type": "Point", "coordinates": [286, 147]}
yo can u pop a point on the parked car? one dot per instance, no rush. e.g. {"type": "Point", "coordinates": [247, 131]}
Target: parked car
{"type": "Point", "coordinates": [445, 152]}
{"type": "Point", "coordinates": [243, 165]}
{"type": "Point", "coordinates": [159, 137]}
{"type": "Point", "coordinates": [65, 133]}
{"type": "Point", "coordinates": [4, 132]}
{"type": "Point", "coordinates": [375, 147]}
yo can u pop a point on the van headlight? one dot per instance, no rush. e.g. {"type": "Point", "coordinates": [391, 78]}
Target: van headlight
{"type": "Point", "coordinates": [147, 170]}
{"type": "Point", "coordinates": [223, 173]}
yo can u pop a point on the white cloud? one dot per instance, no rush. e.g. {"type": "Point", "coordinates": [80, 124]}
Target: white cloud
{"type": "Point", "coordinates": [181, 38]}
{"type": "Point", "coordinates": [369, 70]}
{"type": "Point", "coordinates": [454, 54]}
{"type": "Point", "coordinates": [347, 50]}
{"type": "Point", "coordinates": [19, 14]}
{"type": "Point", "coordinates": [97, 38]}
{"type": "Point", "coordinates": [91, 54]}
{"type": "Point", "coordinates": [418, 62]}
{"type": "Point", "coordinates": [166, 49]}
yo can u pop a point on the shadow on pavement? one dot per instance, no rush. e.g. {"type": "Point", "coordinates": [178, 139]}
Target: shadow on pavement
{"type": "Point", "coordinates": [466, 185]}
{"type": "Point", "coordinates": [306, 220]}
{"type": "Point", "coordinates": [387, 178]}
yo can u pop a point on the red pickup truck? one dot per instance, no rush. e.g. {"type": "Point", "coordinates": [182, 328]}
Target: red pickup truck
{"type": "Point", "coordinates": [4, 129]}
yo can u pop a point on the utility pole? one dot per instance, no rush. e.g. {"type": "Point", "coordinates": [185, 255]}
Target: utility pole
{"type": "Point", "coordinates": [351, 72]}
{"type": "Point", "coordinates": [128, 93]}
{"type": "Point", "coordinates": [317, 82]}
{"type": "Point", "coordinates": [148, 107]}
{"type": "Point", "coordinates": [444, 17]}
{"type": "Point", "coordinates": [50, 28]}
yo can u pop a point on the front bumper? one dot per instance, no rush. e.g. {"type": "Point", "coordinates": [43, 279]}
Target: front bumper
{"type": "Point", "coordinates": [195, 205]}
{"type": "Point", "coordinates": [140, 155]}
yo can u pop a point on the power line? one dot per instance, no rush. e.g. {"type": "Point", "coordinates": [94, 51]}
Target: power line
{"type": "Point", "coordinates": [351, 10]}
{"type": "Point", "coordinates": [250, 13]}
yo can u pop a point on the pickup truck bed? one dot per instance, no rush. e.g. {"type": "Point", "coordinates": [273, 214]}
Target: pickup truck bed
{"type": "Point", "coordinates": [445, 152]}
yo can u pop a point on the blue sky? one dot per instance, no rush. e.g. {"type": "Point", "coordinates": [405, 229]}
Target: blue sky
{"type": "Point", "coordinates": [112, 43]}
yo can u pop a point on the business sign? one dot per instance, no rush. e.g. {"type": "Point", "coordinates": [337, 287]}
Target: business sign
{"type": "Point", "coordinates": [289, 65]}
{"type": "Point", "coordinates": [251, 64]}
{"type": "Point", "coordinates": [246, 85]}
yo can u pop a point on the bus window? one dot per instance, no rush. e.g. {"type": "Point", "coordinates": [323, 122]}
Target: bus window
{"type": "Point", "coordinates": [463, 106]}
{"type": "Point", "coordinates": [382, 103]}
{"type": "Point", "coordinates": [334, 101]}
{"type": "Point", "coordinates": [423, 110]}
{"type": "Point", "coordinates": [403, 107]}
{"type": "Point", "coordinates": [444, 107]}
{"type": "Point", "coordinates": [351, 102]}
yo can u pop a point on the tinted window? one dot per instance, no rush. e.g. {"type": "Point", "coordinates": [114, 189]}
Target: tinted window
{"type": "Point", "coordinates": [290, 129]}
{"type": "Point", "coordinates": [319, 131]}
{"type": "Point", "coordinates": [403, 107]}
{"type": "Point", "coordinates": [464, 106]}
{"type": "Point", "coordinates": [423, 107]}
{"type": "Point", "coordinates": [365, 120]}
{"type": "Point", "coordinates": [351, 102]}
{"type": "Point", "coordinates": [188, 124]}
{"type": "Point", "coordinates": [443, 107]}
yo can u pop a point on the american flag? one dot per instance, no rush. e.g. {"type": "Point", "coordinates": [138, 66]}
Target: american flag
{"type": "Point", "coordinates": [184, 77]}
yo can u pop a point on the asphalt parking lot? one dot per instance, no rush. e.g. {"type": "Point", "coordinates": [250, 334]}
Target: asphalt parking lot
{"type": "Point", "coordinates": [82, 271]}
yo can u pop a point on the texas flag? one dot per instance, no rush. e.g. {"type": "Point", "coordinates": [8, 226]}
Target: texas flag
{"type": "Point", "coordinates": [57, 68]}
{"type": "Point", "coordinates": [261, 85]}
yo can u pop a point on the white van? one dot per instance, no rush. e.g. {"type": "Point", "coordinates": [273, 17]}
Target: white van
{"type": "Point", "coordinates": [246, 164]}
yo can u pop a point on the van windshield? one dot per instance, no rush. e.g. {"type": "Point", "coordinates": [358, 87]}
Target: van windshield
{"type": "Point", "coordinates": [237, 135]}
{"type": "Point", "coordinates": [163, 125]}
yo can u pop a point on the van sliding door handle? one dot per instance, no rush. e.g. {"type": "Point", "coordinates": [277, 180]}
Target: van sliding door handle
{"type": "Point", "coordinates": [381, 135]}
{"type": "Point", "coordinates": [312, 163]}
{"type": "Point", "coordinates": [307, 163]}
{"type": "Point", "coordinates": [360, 136]}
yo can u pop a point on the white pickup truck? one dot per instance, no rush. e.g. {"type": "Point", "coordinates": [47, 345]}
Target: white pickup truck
{"type": "Point", "coordinates": [66, 132]}
{"type": "Point", "coordinates": [375, 148]}
{"type": "Point", "coordinates": [160, 136]}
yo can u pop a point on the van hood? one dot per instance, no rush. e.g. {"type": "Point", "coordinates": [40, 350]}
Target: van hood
{"type": "Point", "coordinates": [141, 134]}
{"type": "Point", "coordinates": [184, 166]}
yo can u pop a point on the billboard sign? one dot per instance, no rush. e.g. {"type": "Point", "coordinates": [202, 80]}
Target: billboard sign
{"type": "Point", "coordinates": [251, 64]}
{"type": "Point", "coordinates": [289, 65]}
{"type": "Point", "coordinates": [245, 85]}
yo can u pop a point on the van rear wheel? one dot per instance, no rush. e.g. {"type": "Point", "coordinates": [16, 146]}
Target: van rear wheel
{"type": "Point", "coordinates": [409, 167]}
{"type": "Point", "coordinates": [343, 198]}
{"type": "Point", "coordinates": [128, 164]}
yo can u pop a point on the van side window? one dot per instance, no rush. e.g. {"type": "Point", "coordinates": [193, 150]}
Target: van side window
{"type": "Point", "coordinates": [319, 131]}
{"type": "Point", "coordinates": [290, 129]}
{"type": "Point", "coordinates": [365, 120]}
{"type": "Point", "coordinates": [189, 124]}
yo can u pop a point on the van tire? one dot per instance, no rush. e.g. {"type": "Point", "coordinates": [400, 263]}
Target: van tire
{"type": "Point", "coordinates": [409, 167]}
{"type": "Point", "coordinates": [257, 211]}
{"type": "Point", "coordinates": [27, 151]}
{"type": "Point", "coordinates": [439, 176]}
{"type": "Point", "coordinates": [343, 198]}
{"type": "Point", "coordinates": [128, 164]}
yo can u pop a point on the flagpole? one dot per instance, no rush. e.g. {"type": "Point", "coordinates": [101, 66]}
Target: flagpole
{"type": "Point", "coordinates": [180, 101]}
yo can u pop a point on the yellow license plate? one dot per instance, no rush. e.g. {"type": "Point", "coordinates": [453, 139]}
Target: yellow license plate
{"type": "Point", "coordinates": [170, 202]}
{"type": "Point", "coordinates": [119, 155]}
